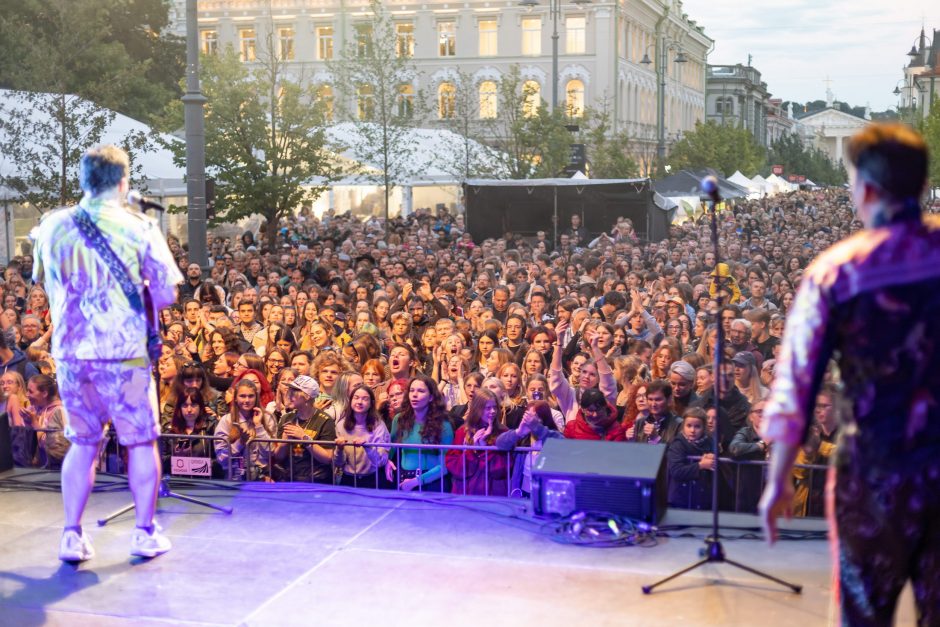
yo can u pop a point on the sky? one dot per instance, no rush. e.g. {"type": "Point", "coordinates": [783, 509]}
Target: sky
{"type": "Point", "coordinates": [860, 45]}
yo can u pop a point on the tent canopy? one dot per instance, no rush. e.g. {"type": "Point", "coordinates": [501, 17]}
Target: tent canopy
{"type": "Point", "coordinates": [687, 183]}
{"type": "Point", "coordinates": [156, 162]}
{"type": "Point", "coordinates": [435, 157]}
{"type": "Point", "coordinates": [495, 207]}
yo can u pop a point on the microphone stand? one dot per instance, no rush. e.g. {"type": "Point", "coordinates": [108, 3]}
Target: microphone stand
{"type": "Point", "coordinates": [714, 552]}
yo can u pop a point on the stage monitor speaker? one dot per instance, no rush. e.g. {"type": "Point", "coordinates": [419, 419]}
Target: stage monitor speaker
{"type": "Point", "coordinates": [6, 446]}
{"type": "Point", "coordinates": [623, 478]}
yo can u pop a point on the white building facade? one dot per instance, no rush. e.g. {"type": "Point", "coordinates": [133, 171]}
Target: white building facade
{"type": "Point", "coordinates": [600, 44]}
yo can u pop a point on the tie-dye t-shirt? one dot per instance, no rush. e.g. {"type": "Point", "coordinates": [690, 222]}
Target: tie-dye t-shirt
{"type": "Point", "coordinates": [91, 316]}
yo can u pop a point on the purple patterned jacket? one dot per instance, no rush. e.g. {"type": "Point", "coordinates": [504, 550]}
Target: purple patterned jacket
{"type": "Point", "coordinates": [872, 302]}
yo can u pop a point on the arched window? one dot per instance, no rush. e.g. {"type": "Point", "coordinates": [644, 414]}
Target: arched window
{"type": "Point", "coordinates": [406, 100]}
{"type": "Point", "coordinates": [365, 101]}
{"type": "Point", "coordinates": [531, 98]}
{"type": "Point", "coordinates": [574, 98]}
{"type": "Point", "coordinates": [446, 101]}
{"type": "Point", "coordinates": [325, 99]}
{"type": "Point", "coordinates": [487, 100]}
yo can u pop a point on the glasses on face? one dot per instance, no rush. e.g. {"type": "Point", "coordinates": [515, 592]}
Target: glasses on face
{"type": "Point", "coordinates": [276, 362]}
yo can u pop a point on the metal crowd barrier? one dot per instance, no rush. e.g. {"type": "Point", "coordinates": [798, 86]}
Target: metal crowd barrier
{"type": "Point", "coordinates": [182, 462]}
{"type": "Point", "coordinates": [760, 468]}
{"type": "Point", "coordinates": [378, 475]}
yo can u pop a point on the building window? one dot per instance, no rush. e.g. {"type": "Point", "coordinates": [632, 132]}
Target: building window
{"type": "Point", "coordinates": [363, 40]}
{"type": "Point", "coordinates": [531, 98]}
{"type": "Point", "coordinates": [324, 43]}
{"type": "Point", "coordinates": [488, 45]}
{"type": "Point", "coordinates": [285, 43]}
{"type": "Point", "coordinates": [406, 100]}
{"type": "Point", "coordinates": [532, 36]}
{"type": "Point", "coordinates": [247, 44]}
{"type": "Point", "coordinates": [209, 41]}
{"type": "Point", "coordinates": [575, 35]}
{"type": "Point", "coordinates": [446, 101]}
{"type": "Point", "coordinates": [365, 102]}
{"type": "Point", "coordinates": [724, 106]}
{"type": "Point", "coordinates": [405, 40]}
{"type": "Point", "coordinates": [325, 98]}
{"type": "Point", "coordinates": [487, 100]}
{"type": "Point", "coordinates": [447, 39]}
{"type": "Point", "coordinates": [574, 98]}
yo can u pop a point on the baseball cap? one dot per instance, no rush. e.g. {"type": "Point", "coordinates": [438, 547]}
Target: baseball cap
{"type": "Point", "coordinates": [307, 385]}
{"type": "Point", "coordinates": [745, 358]}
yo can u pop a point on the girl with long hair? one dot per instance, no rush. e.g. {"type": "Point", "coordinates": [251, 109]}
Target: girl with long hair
{"type": "Point", "coordinates": [474, 471]}
{"type": "Point", "coordinates": [533, 363]}
{"type": "Point", "coordinates": [275, 360]}
{"type": "Point", "coordinates": [191, 416]}
{"type": "Point", "coordinates": [423, 420]}
{"type": "Point", "coordinates": [320, 338]}
{"type": "Point", "coordinates": [281, 405]}
{"type": "Point", "coordinates": [511, 376]}
{"type": "Point", "coordinates": [13, 389]}
{"type": "Point", "coordinates": [244, 421]}
{"type": "Point", "coordinates": [486, 344]}
{"type": "Point", "coordinates": [360, 424]}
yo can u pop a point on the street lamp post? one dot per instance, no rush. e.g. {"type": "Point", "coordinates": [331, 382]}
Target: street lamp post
{"type": "Point", "coordinates": [554, 9]}
{"type": "Point", "coordinates": [194, 124]}
{"type": "Point", "coordinates": [664, 45]}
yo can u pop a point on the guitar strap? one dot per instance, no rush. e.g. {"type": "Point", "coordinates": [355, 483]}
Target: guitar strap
{"type": "Point", "coordinates": [96, 240]}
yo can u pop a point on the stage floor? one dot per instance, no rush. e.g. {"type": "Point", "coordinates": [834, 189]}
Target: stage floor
{"type": "Point", "coordinates": [332, 558]}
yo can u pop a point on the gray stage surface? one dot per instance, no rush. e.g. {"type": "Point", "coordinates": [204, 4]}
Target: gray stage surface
{"type": "Point", "coordinates": [331, 558]}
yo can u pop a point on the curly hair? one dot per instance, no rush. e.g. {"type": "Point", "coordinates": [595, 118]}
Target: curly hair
{"type": "Point", "coordinates": [434, 421]}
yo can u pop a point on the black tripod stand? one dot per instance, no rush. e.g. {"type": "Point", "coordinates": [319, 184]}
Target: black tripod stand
{"type": "Point", "coordinates": [714, 552]}
{"type": "Point", "coordinates": [164, 489]}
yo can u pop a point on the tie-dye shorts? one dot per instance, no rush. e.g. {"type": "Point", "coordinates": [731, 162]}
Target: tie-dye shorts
{"type": "Point", "coordinates": [95, 392]}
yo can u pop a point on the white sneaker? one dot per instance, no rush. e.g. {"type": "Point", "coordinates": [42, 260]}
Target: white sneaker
{"type": "Point", "coordinates": [75, 548]}
{"type": "Point", "coordinates": [152, 545]}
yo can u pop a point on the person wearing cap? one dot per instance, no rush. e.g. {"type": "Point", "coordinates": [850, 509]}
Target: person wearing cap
{"type": "Point", "coordinates": [747, 376]}
{"type": "Point", "coordinates": [305, 462]}
{"type": "Point", "coordinates": [596, 419]}
{"type": "Point", "coordinates": [682, 378]}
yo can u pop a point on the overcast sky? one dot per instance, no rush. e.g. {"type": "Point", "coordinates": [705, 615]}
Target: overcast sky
{"type": "Point", "coordinates": [861, 45]}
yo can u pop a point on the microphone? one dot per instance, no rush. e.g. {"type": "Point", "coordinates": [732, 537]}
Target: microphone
{"type": "Point", "coordinates": [709, 185]}
{"type": "Point", "coordinates": [135, 198]}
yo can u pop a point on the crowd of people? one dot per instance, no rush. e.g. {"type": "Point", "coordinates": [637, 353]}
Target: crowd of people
{"type": "Point", "coordinates": [310, 353]}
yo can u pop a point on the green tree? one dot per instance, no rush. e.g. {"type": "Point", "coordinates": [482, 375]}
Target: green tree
{"type": "Point", "coordinates": [375, 79]}
{"type": "Point", "coordinates": [42, 139]}
{"type": "Point", "coordinates": [473, 115]}
{"type": "Point", "coordinates": [809, 161]}
{"type": "Point", "coordinates": [71, 70]}
{"type": "Point", "coordinates": [722, 147]}
{"type": "Point", "coordinates": [265, 139]}
{"type": "Point", "coordinates": [931, 131]}
{"type": "Point", "coordinates": [608, 152]}
{"type": "Point", "coordinates": [532, 141]}
{"type": "Point", "coordinates": [114, 53]}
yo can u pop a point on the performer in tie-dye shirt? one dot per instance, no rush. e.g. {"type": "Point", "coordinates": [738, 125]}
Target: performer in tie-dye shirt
{"type": "Point", "coordinates": [872, 302]}
{"type": "Point", "coordinates": [100, 342]}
